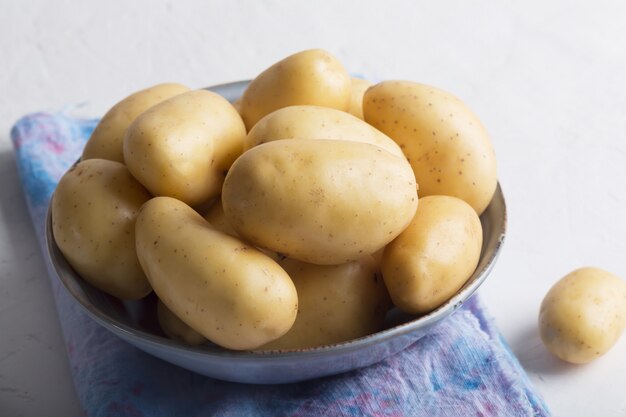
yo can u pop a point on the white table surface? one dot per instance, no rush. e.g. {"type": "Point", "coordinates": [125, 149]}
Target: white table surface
{"type": "Point", "coordinates": [548, 79]}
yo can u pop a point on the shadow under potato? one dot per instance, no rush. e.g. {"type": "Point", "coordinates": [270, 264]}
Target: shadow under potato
{"type": "Point", "coordinates": [534, 356]}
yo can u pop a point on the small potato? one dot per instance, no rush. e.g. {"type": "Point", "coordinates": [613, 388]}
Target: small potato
{"type": "Point", "coordinates": [216, 218]}
{"type": "Point", "coordinates": [309, 77]}
{"type": "Point", "coordinates": [359, 86]}
{"type": "Point", "coordinates": [337, 303]}
{"type": "Point", "coordinates": [106, 141]}
{"type": "Point", "coordinates": [237, 105]}
{"type": "Point", "coordinates": [431, 260]}
{"type": "Point", "coordinates": [175, 328]}
{"type": "Point", "coordinates": [314, 122]}
{"type": "Point", "coordinates": [447, 146]}
{"type": "Point", "coordinates": [183, 147]}
{"type": "Point", "coordinates": [583, 315]}
{"type": "Point", "coordinates": [224, 289]}
{"type": "Point", "coordinates": [93, 221]}
{"type": "Point", "coordinates": [320, 201]}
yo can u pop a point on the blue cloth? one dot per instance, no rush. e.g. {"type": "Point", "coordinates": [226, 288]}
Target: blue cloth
{"type": "Point", "coordinates": [461, 368]}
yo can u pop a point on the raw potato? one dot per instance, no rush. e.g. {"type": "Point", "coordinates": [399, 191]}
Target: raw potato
{"type": "Point", "coordinates": [320, 201]}
{"type": "Point", "coordinates": [106, 141]}
{"type": "Point", "coordinates": [432, 259]}
{"type": "Point", "coordinates": [226, 290]}
{"type": "Point", "coordinates": [237, 105]}
{"type": "Point", "coordinates": [175, 328]}
{"type": "Point", "coordinates": [93, 220]}
{"type": "Point", "coordinates": [337, 303]}
{"type": "Point", "coordinates": [583, 315]}
{"type": "Point", "coordinates": [446, 144]}
{"type": "Point", "coordinates": [314, 122]}
{"type": "Point", "coordinates": [217, 219]}
{"type": "Point", "coordinates": [183, 146]}
{"type": "Point", "coordinates": [359, 86]}
{"type": "Point", "coordinates": [309, 77]}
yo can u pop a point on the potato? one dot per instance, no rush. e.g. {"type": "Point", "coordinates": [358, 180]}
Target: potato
{"type": "Point", "coordinates": [583, 315]}
{"type": "Point", "coordinates": [237, 105]}
{"type": "Point", "coordinates": [226, 290]}
{"type": "Point", "coordinates": [356, 97]}
{"type": "Point", "coordinates": [106, 141]}
{"type": "Point", "coordinates": [337, 303]}
{"type": "Point", "coordinates": [314, 122]}
{"type": "Point", "coordinates": [183, 146]}
{"type": "Point", "coordinates": [93, 221]}
{"type": "Point", "coordinates": [309, 77]}
{"type": "Point", "coordinates": [432, 259]}
{"type": "Point", "coordinates": [175, 328]}
{"type": "Point", "coordinates": [216, 218]}
{"type": "Point", "coordinates": [319, 201]}
{"type": "Point", "coordinates": [447, 146]}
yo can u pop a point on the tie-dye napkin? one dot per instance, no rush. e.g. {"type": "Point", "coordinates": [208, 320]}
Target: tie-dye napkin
{"type": "Point", "coordinates": [461, 368]}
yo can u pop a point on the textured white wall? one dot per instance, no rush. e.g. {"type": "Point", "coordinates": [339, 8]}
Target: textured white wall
{"type": "Point", "coordinates": [68, 51]}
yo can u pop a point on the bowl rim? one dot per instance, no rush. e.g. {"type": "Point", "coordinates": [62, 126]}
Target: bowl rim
{"type": "Point", "coordinates": [76, 287]}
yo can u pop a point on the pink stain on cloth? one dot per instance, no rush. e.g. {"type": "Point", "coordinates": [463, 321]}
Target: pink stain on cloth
{"type": "Point", "coordinates": [462, 368]}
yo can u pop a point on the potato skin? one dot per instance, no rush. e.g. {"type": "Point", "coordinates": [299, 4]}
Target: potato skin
{"type": "Point", "coordinates": [315, 122]}
{"type": "Point", "coordinates": [217, 219]}
{"type": "Point", "coordinates": [431, 260]}
{"type": "Point", "coordinates": [357, 91]}
{"type": "Point", "coordinates": [337, 303]}
{"type": "Point", "coordinates": [93, 220]}
{"type": "Point", "coordinates": [320, 201]}
{"type": "Point", "coordinates": [583, 315]}
{"type": "Point", "coordinates": [107, 139]}
{"type": "Point", "coordinates": [309, 77]}
{"type": "Point", "coordinates": [237, 105]}
{"type": "Point", "coordinates": [183, 146]}
{"type": "Point", "coordinates": [446, 144]}
{"type": "Point", "coordinates": [226, 290]}
{"type": "Point", "coordinates": [175, 328]}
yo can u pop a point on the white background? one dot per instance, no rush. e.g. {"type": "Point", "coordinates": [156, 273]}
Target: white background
{"type": "Point", "coordinates": [548, 79]}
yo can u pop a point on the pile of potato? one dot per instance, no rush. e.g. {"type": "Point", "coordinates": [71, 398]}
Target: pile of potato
{"type": "Point", "coordinates": [289, 219]}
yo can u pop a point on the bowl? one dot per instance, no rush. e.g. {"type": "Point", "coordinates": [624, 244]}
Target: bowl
{"type": "Point", "coordinates": [135, 321]}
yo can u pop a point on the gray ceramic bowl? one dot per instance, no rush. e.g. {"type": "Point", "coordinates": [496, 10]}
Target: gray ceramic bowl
{"type": "Point", "coordinates": [135, 321]}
